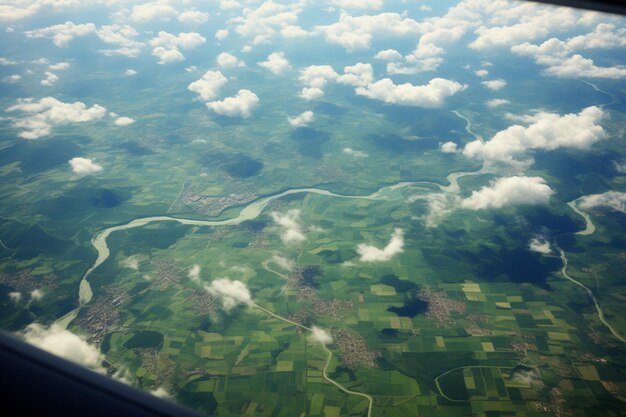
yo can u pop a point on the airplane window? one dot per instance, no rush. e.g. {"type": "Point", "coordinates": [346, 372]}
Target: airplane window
{"type": "Point", "coordinates": [330, 208]}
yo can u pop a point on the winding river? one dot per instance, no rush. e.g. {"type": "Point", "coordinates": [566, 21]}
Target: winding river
{"type": "Point", "coordinates": [589, 229]}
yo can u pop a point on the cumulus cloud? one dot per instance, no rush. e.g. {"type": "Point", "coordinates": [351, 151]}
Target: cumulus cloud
{"type": "Point", "coordinates": [241, 105]}
{"type": "Point", "coordinates": [62, 34]}
{"type": "Point", "coordinates": [311, 93]}
{"type": "Point", "coordinates": [548, 131]}
{"type": "Point", "coordinates": [61, 66]}
{"type": "Point", "coordinates": [226, 60]}
{"type": "Point", "coordinates": [620, 166]}
{"type": "Point", "coordinates": [15, 296]}
{"type": "Point", "coordinates": [221, 34]}
{"type": "Point", "coordinates": [358, 4]}
{"type": "Point", "coordinates": [130, 72]}
{"type": "Point", "coordinates": [560, 59]}
{"type": "Point", "coordinates": [65, 344]}
{"type": "Point", "coordinates": [232, 293]}
{"type": "Point", "coordinates": [266, 21]}
{"type": "Point", "coordinates": [209, 85]}
{"type": "Point", "coordinates": [388, 55]}
{"type": "Point", "coordinates": [84, 166]}
{"type": "Point", "coordinates": [302, 119]}
{"type": "Point", "coordinates": [36, 294]}
{"type": "Point", "coordinates": [525, 22]}
{"type": "Point", "coordinates": [449, 147]}
{"type": "Point", "coordinates": [540, 245]}
{"type": "Point", "coordinates": [354, 153]}
{"type": "Point", "coordinates": [131, 263]}
{"type": "Point", "coordinates": [318, 76]}
{"type": "Point", "coordinates": [124, 121]}
{"type": "Point", "coordinates": [276, 63]}
{"type": "Point", "coordinates": [194, 273]}
{"type": "Point", "coordinates": [481, 73]}
{"type": "Point", "coordinates": [358, 75]}
{"type": "Point", "coordinates": [431, 95]}
{"type": "Point", "coordinates": [193, 17]}
{"type": "Point", "coordinates": [321, 336]}
{"type": "Point", "coordinates": [283, 262]}
{"type": "Point", "coordinates": [516, 190]}
{"type": "Point", "coordinates": [122, 36]}
{"type": "Point", "coordinates": [438, 206]}
{"type": "Point", "coordinates": [395, 246]}
{"type": "Point", "coordinates": [290, 222]}
{"type": "Point", "coordinates": [50, 79]}
{"type": "Point", "coordinates": [356, 32]}
{"type": "Point", "coordinates": [613, 200]}
{"type": "Point", "coordinates": [166, 45]}
{"type": "Point", "coordinates": [39, 117]}
{"type": "Point", "coordinates": [11, 79]}
{"type": "Point", "coordinates": [157, 10]}
{"type": "Point", "coordinates": [494, 85]}
{"type": "Point", "coordinates": [496, 102]}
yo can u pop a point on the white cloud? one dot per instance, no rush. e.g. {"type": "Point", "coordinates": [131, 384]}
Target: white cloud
{"type": "Point", "coordinates": [354, 153]}
{"type": "Point", "coordinates": [11, 79]}
{"type": "Point", "coordinates": [395, 246]}
{"type": "Point", "coordinates": [61, 66]}
{"type": "Point", "coordinates": [65, 344]}
{"type": "Point", "coordinates": [358, 4]}
{"type": "Point", "coordinates": [358, 75]}
{"type": "Point", "coordinates": [240, 105]}
{"type": "Point", "coordinates": [123, 37]}
{"type": "Point", "coordinates": [266, 21]}
{"type": "Point", "coordinates": [147, 12]}
{"type": "Point", "coordinates": [540, 245]}
{"type": "Point", "coordinates": [431, 95]}
{"type": "Point", "coordinates": [193, 17]}
{"type": "Point", "coordinates": [614, 200]}
{"type": "Point", "coordinates": [209, 85]}
{"type": "Point", "coordinates": [494, 85]}
{"type": "Point", "coordinates": [62, 34]}
{"type": "Point", "coordinates": [302, 120]}
{"type": "Point", "coordinates": [84, 166]}
{"type": "Point", "coordinates": [507, 191]}
{"type": "Point", "coordinates": [311, 93]}
{"type": "Point", "coordinates": [496, 102]}
{"type": "Point", "coordinates": [6, 61]}
{"type": "Point", "coordinates": [389, 55]}
{"type": "Point", "coordinates": [321, 336]}
{"type": "Point", "coordinates": [50, 79]}
{"type": "Point", "coordinates": [354, 33]}
{"type": "Point", "coordinates": [276, 63]}
{"type": "Point", "coordinates": [425, 8]}
{"type": "Point", "coordinates": [232, 293]}
{"type": "Point", "coordinates": [547, 131]}
{"type": "Point", "coordinates": [439, 205]}
{"type": "Point", "coordinates": [295, 32]}
{"type": "Point", "coordinates": [481, 73]}
{"type": "Point", "coordinates": [292, 229]}
{"type": "Point", "coordinates": [318, 75]}
{"type": "Point", "coordinates": [39, 117]}
{"type": "Point", "coordinates": [130, 72]}
{"type": "Point", "coordinates": [15, 296]}
{"type": "Point", "coordinates": [283, 262]}
{"type": "Point", "coordinates": [226, 60]}
{"type": "Point", "coordinates": [558, 58]}
{"type": "Point", "coordinates": [221, 34]}
{"type": "Point", "coordinates": [620, 166]}
{"type": "Point", "coordinates": [166, 45]}
{"type": "Point", "coordinates": [36, 294]}
{"type": "Point", "coordinates": [194, 273]}
{"type": "Point", "coordinates": [161, 393]}
{"type": "Point", "coordinates": [131, 263]}
{"type": "Point", "coordinates": [526, 22]}
{"type": "Point", "coordinates": [124, 121]}
{"type": "Point", "coordinates": [449, 147]}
